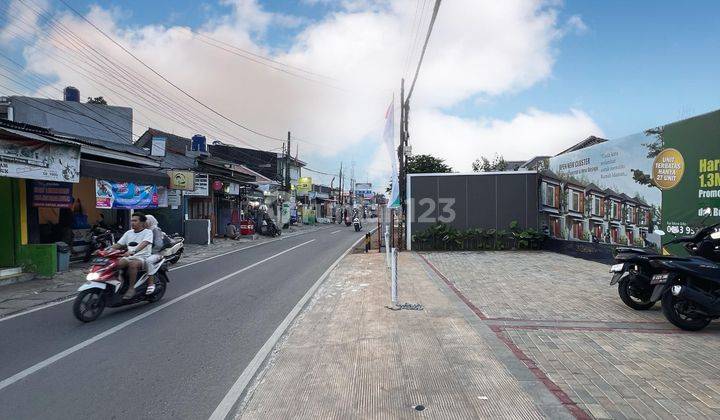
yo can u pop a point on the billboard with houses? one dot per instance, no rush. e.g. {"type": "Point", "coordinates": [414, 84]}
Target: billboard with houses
{"type": "Point", "coordinates": [621, 190]}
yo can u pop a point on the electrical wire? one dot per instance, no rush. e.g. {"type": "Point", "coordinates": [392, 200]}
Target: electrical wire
{"type": "Point", "coordinates": [184, 92]}
{"type": "Point", "coordinates": [422, 54]}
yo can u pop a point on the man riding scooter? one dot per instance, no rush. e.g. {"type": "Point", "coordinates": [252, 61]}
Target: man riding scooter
{"type": "Point", "coordinates": [134, 259]}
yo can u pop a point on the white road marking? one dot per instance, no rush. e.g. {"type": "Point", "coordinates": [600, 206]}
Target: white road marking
{"type": "Point", "coordinates": [238, 388]}
{"type": "Point", "coordinates": [332, 233]}
{"type": "Point", "coordinates": [47, 362]}
{"type": "Point", "coordinates": [69, 298]}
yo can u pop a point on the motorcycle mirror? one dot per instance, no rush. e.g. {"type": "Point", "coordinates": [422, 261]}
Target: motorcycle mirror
{"type": "Point", "coordinates": [659, 232]}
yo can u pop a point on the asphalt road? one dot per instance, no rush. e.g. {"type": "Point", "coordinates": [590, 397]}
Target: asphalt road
{"type": "Point", "coordinates": [182, 357]}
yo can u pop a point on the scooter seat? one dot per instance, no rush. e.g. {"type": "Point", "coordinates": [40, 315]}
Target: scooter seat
{"type": "Point", "coordinates": [172, 250]}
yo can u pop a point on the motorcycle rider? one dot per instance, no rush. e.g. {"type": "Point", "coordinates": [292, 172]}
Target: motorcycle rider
{"type": "Point", "coordinates": [157, 246]}
{"type": "Point", "coordinates": [134, 259]}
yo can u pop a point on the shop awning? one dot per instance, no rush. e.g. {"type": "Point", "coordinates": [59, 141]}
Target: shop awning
{"type": "Point", "coordinates": [121, 173]}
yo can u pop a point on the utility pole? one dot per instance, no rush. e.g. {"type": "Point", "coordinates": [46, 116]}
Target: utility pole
{"type": "Point", "coordinates": [401, 156]}
{"type": "Point", "coordinates": [340, 199]}
{"type": "Point", "coordinates": [287, 165]}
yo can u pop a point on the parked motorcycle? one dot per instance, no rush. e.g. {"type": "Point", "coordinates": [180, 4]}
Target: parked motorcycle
{"type": "Point", "coordinates": [633, 271]}
{"type": "Point", "coordinates": [269, 227]}
{"type": "Point", "coordinates": [356, 224]}
{"type": "Point", "coordinates": [689, 288]}
{"type": "Point", "coordinates": [106, 284]}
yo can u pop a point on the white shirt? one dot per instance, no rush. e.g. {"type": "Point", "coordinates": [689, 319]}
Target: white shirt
{"type": "Point", "coordinates": [144, 235]}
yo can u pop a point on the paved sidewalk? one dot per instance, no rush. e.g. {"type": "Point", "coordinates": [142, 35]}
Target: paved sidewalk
{"type": "Point", "coordinates": [560, 316]}
{"type": "Point", "coordinates": [21, 296]}
{"type": "Point", "coordinates": [348, 356]}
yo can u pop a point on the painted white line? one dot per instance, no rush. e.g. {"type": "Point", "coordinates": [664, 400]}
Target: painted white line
{"type": "Point", "coordinates": [238, 388]}
{"type": "Point", "coordinates": [332, 233]}
{"type": "Point", "coordinates": [47, 362]}
{"type": "Point", "coordinates": [292, 235]}
{"type": "Point", "coordinates": [69, 298]}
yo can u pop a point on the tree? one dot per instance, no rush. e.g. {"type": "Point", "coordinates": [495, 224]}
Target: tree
{"type": "Point", "coordinates": [498, 164]}
{"type": "Point", "coordinates": [426, 164]}
{"type": "Point", "coordinates": [96, 100]}
{"type": "Point", "coordinates": [654, 149]}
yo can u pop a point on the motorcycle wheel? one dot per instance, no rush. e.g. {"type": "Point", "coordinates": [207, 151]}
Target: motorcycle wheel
{"type": "Point", "coordinates": [89, 304]}
{"type": "Point", "coordinates": [626, 295]}
{"type": "Point", "coordinates": [674, 310]}
{"type": "Point", "coordinates": [160, 287]}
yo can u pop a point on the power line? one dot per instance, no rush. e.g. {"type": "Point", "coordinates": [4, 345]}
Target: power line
{"type": "Point", "coordinates": [417, 21]}
{"type": "Point", "coordinates": [64, 34]}
{"type": "Point", "coordinates": [122, 75]}
{"type": "Point", "coordinates": [240, 52]}
{"type": "Point", "coordinates": [422, 54]}
{"type": "Point", "coordinates": [111, 39]}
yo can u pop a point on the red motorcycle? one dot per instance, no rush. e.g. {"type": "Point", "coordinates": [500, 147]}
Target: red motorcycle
{"type": "Point", "coordinates": [105, 286]}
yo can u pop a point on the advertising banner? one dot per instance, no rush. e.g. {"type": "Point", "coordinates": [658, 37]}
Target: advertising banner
{"type": "Point", "coordinates": [182, 180]}
{"type": "Point", "coordinates": [389, 140]}
{"type": "Point", "coordinates": [51, 194]}
{"type": "Point", "coordinates": [688, 171]}
{"type": "Point", "coordinates": [125, 195]}
{"type": "Point", "coordinates": [674, 169]}
{"type": "Point", "coordinates": [32, 159]}
{"type": "Point", "coordinates": [202, 186]}
{"type": "Point", "coordinates": [622, 165]}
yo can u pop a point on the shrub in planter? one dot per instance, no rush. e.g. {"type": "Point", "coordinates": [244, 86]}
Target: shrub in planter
{"type": "Point", "coordinates": [490, 238]}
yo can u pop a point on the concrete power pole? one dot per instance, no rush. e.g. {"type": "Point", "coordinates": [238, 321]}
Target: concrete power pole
{"type": "Point", "coordinates": [287, 165]}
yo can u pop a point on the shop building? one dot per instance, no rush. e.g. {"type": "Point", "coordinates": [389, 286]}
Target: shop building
{"type": "Point", "coordinates": [55, 187]}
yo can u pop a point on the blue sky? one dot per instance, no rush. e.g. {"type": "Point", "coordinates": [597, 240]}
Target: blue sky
{"type": "Point", "coordinates": [628, 66]}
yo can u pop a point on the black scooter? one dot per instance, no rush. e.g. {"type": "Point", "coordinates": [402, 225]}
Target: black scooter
{"type": "Point", "coordinates": [633, 271]}
{"type": "Point", "coordinates": [690, 287]}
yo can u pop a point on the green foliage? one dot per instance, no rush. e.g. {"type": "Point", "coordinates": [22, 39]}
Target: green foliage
{"type": "Point", "coordinates": [97, 100]}
{"type": "Point", "coordinates": [446, 238]}
{"type": "Point", "coordinates": [426, 164]}
{"type": "Point", "coordinates": [498, 164]}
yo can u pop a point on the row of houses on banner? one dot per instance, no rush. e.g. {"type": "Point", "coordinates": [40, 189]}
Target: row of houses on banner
{"type": "Point", "coordinates": [66, 166]}
{"type": "Point", "coordinates": [572, 210]}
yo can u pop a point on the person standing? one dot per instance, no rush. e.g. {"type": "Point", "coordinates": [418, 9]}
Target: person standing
{"type": "Point", "coordinates": [367, 242]}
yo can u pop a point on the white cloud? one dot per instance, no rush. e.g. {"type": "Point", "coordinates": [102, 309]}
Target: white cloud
{"type": "Point", "coordinates": [460, 141]}
{"type": "Point", "coordinates": [479, 49]}
{"type": "Point", "coordinates": [19, 15]}
{"type": "Point", "coordinates": [576, 25]}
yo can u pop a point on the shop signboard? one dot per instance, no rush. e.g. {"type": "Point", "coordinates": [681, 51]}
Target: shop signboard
{"type": "Point", "coordinates": [231, 188]}
{"type": "Point", "coordinates": [162, 197]}
{"type": "Point", "coordinates": [52, 194]}
{"type": "Point", "coordinates": [202, 186]}
{"type": "Point", "coordinates": [32, 159]}
{"type": "Point", "coordinates": [174, 198]}
{"type": "Point", "coordinates": [304, 185]}
{"type": "Point", "coordinates": [182, 180]}
{"type": "Point", "coordinates": [125, 195]}
{"type": "Point", "coordinates": [285, 215]}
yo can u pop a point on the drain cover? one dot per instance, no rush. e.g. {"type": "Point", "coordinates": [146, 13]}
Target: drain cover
{"type": "Point", "coordinates": [419, 407]}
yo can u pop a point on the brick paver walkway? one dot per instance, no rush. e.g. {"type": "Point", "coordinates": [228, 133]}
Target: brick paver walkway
{"type": "Point", "coordinates": [560, 316]}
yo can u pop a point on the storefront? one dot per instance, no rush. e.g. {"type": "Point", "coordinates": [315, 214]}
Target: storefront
{"type": "Point", "coordinates": [106, 193]}
{"type": "Point", "coordinates": [25, 157]}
